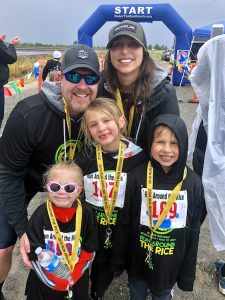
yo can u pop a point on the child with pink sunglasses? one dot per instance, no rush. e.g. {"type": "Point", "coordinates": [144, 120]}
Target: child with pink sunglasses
{"type": "Point", "coordinates": [68, 229]}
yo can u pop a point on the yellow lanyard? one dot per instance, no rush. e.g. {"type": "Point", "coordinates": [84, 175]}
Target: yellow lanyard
{"type": "Point", "coordinates": [169, 203]}
{"type": "Point", "coordinates": [68, 123]}
{"type": "Point", "coordinates": [70, 260]}
{"type": "Point", "coordinates": [120, 105]}
{"type": "Point", "coordinates": [109, 207]}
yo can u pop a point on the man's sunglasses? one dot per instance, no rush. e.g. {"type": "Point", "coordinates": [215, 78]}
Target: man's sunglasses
{"type": "Point", "coordinates": [90, 79]}
{"type": "Point", "coordinates": [55, 187]}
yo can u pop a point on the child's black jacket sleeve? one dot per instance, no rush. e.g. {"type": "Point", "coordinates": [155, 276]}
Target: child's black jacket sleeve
{"type": "Point", "coordinates": [186, 275]}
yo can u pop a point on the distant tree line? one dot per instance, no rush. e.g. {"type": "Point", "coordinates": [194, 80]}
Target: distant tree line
{"type": "Point", "coordinates": [41, 45]}
{"type": "Point", "coordinates": [150, 47]}
{"type": "Point", "coordinates": [157, 47]}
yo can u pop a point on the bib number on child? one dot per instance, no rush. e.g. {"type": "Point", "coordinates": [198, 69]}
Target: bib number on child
{"type": "Point", "coordinates": [93, 191]}
{"type": "Point", "coordinates": [177, 215]}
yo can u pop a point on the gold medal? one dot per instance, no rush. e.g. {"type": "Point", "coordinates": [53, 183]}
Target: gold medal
{"type": "Point", "coordinates": [108, 243]}
{"type": "Point", "coordinates": [148, 259]}
{"type": "Point", "coordinates": [70, 294]}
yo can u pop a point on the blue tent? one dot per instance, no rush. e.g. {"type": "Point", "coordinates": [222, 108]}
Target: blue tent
{"type": "Point", "coordinates": [205, 31]}
{"type": "Point", "coordinates": [200, 36]}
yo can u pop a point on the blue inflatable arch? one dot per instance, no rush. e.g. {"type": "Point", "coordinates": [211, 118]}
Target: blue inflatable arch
{"type": "Point", "coordinates": [142, 13]}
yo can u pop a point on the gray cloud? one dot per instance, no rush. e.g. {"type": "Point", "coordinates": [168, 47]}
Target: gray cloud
{"type": "Point", "coordinates": [58, 21]}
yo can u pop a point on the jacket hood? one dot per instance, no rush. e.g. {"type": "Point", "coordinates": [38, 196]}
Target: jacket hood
{"type": "Point", "coordinates": [177, 125]}
{"type": "Point", "coordinates": [131, 150]}
{"type": "Point", "coordinates": [159, 75]}
{"type": "Point", "coordinates": [53, 92]}
{"type": "Point", "coordinates": [159, 93]}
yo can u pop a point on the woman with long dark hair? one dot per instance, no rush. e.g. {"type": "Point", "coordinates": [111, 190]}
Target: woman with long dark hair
{"type": "Point", "coordinates": [141, 88]}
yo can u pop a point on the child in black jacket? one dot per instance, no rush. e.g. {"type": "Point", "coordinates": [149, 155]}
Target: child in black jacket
{"type": "Point", "coordinates": [66, 227]}
{"type": "Point", "coordinates": [165, 204]}
{"type": "Point", "coordinates": [105, 165]}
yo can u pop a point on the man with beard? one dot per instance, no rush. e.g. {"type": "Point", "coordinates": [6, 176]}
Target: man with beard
{"type": "Point", "coordinates": [41, 130]}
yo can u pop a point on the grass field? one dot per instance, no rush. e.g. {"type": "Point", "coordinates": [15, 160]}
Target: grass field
{"type": "Point", "coordinates": [25, 64]}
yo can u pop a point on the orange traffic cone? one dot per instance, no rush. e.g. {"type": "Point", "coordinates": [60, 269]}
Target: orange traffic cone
{"type": "Point", "coordinates": [39, 80]}
{"type": "Point", "coordinates": [195, 99]}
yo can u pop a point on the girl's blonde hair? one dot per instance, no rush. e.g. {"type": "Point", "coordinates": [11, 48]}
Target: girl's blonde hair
{"type": "Point", "coordinates": [66, 165]}
{"type": "Point", "coordinates": [106, 106]}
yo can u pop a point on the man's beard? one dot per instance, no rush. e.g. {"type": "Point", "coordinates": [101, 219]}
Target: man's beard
{"type": "Point", "coordinates": [76, 110]}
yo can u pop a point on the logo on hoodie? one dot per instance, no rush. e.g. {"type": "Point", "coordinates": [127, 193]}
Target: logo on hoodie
{"type": "Point", "coordinates": [62, 153]}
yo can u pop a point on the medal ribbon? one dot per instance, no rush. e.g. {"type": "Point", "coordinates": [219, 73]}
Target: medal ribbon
{"type": "Point", "coordinates": [109, 207]}
{"type": "Point", "coordinates": [169, 203]}
{"type": "Point", "coordinates": [70, 260]}
{"type": "Point", "coordinates": [68, 123]}
{"type": "Point", "coordinates": [120, 105]}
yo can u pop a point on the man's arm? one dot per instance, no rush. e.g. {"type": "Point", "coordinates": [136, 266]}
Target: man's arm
{"type": "Point", "coordinates": [8, 54]}
{"type": "Point", "coordinates": [45, 71]}
{"type": "Point", "coordinates": [2, 37]}
{"type": "Point", "coordinates": [16, 148]}
{"type": "Point", "coordinates": [15, 41]}
{"type": "Point", "coordinates": [25, 249]}
{"type": "Point", "coordinates": [12, 195]}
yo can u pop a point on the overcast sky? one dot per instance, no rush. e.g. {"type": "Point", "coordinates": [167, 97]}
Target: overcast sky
{"type": "Point", "coordinates": [57, 21]}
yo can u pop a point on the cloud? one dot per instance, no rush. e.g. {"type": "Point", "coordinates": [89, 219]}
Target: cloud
{"type": "Point", "coordinates": [57, 22]}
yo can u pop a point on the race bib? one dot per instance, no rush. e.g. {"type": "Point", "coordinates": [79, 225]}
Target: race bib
{"type": "Point", "coordinates": [176, 217]}
{"type": "Point", "coordinates": [68, 238]}
{"type": "Point", "coordinates": [93, 191]}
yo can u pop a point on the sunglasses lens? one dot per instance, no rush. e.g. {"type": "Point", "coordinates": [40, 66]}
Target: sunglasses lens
{"type": "Point", "coordinates": [70, 188]}
{"type": "Point", "coordinates": [73, 77]}
{"type": "Point", "coordinates": [54, 187]}
{"type": "Point", "coordinates": [91, 79]}
{"type": "Point", "coordinates": [76, 78]}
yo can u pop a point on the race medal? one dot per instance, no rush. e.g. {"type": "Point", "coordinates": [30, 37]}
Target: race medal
{"type": "Point", "coordinates": [70, 294]}
{"type": "Point", "coordinates": [109, 205]}
{"type": "Point", "coordinates": [70, 260]}
{"type": "Point", "coordinates": [148, 259]}
{"type": "Point", "coordinates": [108, 243]}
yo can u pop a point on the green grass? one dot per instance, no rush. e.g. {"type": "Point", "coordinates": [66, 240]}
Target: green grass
{"type": "Point", "coordinates": [157, 54]}
{"type": "Point", "coordinates": [25, 64]}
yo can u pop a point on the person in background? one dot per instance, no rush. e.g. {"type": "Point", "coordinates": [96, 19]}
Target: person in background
{"type": "Point", "coordinates": [52, 64]}
{"type": "Point", "coordinates": [55, 76]}
{"type": "Point", "coordinates": [207, 140]}
{"type": "Point", "coordinates": [76, 245]}
{"type": "Point", "coordinates": [41, 130]}
{"type": "Point", "coordinates": [141, 88]}
{"type": "Point", "coordinates": [159, 235]}
{"type": "Point", "coordinates": [7, 56]}
{"type": "Point", "coordinates": [107, 160]}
